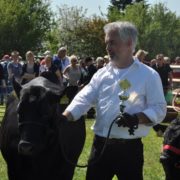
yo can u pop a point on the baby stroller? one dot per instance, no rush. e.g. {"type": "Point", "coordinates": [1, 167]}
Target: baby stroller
{"type": "Point", "coordinates": [170, 156]}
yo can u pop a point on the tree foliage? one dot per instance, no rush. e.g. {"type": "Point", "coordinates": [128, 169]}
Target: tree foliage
{"type": "Point", "coordinates": [81, 35]}
{"type": "Point", "coordinates": [23, 24]}
{"type": "Point", "coordinates": [121, 4]}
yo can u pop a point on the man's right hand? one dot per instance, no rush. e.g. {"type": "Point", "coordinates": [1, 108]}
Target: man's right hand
{"type": "Point", "coordinates": [68, 116]}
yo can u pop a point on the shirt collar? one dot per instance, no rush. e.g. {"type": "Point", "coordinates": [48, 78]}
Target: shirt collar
{"type": "Point", "coordinates": [136, 63]}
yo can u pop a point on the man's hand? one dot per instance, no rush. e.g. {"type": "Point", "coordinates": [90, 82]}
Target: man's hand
{"type": "Point", "coordinates": [63, 119]}
{"type": "Point", "coordinates": [127, 120]}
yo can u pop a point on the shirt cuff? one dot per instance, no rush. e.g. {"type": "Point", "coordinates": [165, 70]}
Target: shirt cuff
{"type": "Point", "coordinates": [152, 116]}
{"type": "Point", "coordinates": [75, 112]}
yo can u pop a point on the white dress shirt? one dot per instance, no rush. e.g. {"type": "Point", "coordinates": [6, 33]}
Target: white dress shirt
{"type": "Point", "coordinates": [146, 95]}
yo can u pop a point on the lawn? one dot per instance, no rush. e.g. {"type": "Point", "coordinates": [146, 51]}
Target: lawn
{"type": "Point", "coordinates": [152, 147]}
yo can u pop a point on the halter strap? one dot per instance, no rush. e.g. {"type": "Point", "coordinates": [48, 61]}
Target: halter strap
{"type": "Point", "coordinates": [172, 148]}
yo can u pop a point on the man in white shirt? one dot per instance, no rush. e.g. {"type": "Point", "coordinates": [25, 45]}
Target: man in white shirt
{"type": "Point", "coordinates": [144, 108]}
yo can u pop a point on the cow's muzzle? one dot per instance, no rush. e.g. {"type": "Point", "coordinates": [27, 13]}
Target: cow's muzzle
{"type": "Point", "coordinates": [25, 148]}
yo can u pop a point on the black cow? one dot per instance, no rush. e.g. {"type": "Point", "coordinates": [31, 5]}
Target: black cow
{"type": "Point", "coordinates": [33, 134]}
{"type": "Point", "coordinates": [170, 156]}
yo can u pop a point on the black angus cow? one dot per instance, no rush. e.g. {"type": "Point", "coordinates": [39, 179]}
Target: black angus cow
{"type": "Point", "coordinates": [33, 134]}
{"type": "Point", "coordinates": [170, 156]}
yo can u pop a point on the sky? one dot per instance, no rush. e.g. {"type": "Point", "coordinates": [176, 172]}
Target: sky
{"type": "Point", "coordinates": [98, 6]}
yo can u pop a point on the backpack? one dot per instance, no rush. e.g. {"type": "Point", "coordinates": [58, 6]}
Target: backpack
{"type": "Point", "coordinates": [170, 156]}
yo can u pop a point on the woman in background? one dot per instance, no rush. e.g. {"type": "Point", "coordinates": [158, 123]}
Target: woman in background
{"type": "Point", "coordinates": [30, 69]}
{"type": "Point", "coordinates": [73, 75]}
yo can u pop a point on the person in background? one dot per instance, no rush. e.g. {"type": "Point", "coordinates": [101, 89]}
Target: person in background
{"type": "Point", "coordinates": [99, 62]}
{"type": "Point", "coordinates": [153, 62]}
{"type": "Point", "coordinates": [141, 54]}
{"type": "Point", "coordinates": [45, 54]}
{"type": "Point", "coordinates": [5, 61]}
{"type": "Point", "coordinates": [2, 85]}
{"type": "Point", "coordinates": [106, 60]}
{"type": "Point", "coordinates": [164, 71]}
{"type": "Point", "coordinates": [91, 69]}
{"type": "Point", "coordinates": [50, 67]}
{"type": "Point", "coordinates": [177, 60]}
{"type": "Point", "coordinates": [30, 69]}
{"type": "Point", "coordinates": [72, 74]}
{"type": "Point", "coordinates": [167, 60]}
{"type": "Point", "coordinates": [14, 69]}
{"type": "Point", "coordinates": [123, 155]}
{"type": "Point", "coordinates": [61, 61]}
{"type": "Point", "coordinates": [83, 69]}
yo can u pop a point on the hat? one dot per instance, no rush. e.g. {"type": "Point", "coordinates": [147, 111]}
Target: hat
{"type": "Point", "coordinates": [6, 56]}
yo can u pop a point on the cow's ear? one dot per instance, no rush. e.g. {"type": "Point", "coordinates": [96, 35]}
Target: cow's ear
{"type": "Point", "coordinates": [17, 87]}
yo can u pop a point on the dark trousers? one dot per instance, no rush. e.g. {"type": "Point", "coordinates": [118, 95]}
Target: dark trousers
{"type": "Point", "coordinates": [121, 158]}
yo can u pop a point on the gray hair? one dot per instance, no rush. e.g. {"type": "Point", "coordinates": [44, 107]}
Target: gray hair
{"type": "Point", "coordinates": [125, 29]}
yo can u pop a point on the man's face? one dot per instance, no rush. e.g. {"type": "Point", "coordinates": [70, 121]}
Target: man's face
{"type": "Point", "coordinates": [116, 48]}
{"type": "Point", "coordinates": [62, 53]}
{"type": "Point", "coordinates": [160, 60]}
{"type": "Point", "coordinates": [15, 57]}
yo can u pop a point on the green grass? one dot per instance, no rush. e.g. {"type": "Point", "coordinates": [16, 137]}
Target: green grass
{"type": "Point", "coordinates": [152, 147]}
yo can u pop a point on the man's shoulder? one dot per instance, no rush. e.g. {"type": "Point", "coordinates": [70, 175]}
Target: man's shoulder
{"type": "Point", "coordinates": [147, 70]}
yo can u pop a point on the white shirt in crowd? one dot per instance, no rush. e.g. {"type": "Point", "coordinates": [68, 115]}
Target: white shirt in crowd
{"type": "Point", "coordinates": [146, 95]}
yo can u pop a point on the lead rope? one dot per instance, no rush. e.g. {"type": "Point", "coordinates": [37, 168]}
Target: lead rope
{"type": "Point", "coordinates": [93, 162]}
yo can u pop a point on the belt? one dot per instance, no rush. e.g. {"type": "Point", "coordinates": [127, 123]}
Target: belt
{"type": "Point", "coordinates": [117, 141]}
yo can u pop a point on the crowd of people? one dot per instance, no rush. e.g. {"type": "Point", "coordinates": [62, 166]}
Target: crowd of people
{"type": "Point", "coordinates": [72, 72]}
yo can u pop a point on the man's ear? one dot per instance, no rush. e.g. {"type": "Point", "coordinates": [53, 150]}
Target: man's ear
{"type": "Point", "coordinates": [16, 86]}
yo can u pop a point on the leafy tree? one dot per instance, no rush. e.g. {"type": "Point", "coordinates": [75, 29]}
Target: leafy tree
{"type": "Point", "coordinates": [121, 4]}
{"type": "Point", "coordinates": [92, 37]}
{"type": "Point", "coordinates": [83, 36]}
{"type": "Point", "coordinates": [163, 33]}
{"type": "Point", "coordinates": [23, 24]}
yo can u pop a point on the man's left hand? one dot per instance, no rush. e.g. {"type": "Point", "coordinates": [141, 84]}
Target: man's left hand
{"type": "Point", "coordinates": [128, 120]}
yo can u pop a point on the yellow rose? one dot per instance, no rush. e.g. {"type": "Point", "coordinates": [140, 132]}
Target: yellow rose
{"type": "Point", "coordinates": [124, 84]}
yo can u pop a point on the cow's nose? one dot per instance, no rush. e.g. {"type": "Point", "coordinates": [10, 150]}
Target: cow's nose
{"type": "Point", "coordinates": [25, 148]}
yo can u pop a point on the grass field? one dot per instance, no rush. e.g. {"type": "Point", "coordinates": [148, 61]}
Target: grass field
{"type": "Point", "coordinates": [152, 147]}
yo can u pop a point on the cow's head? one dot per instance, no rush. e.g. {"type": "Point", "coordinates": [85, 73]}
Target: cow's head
{"type": "Point", "coordinates": [37, 114]}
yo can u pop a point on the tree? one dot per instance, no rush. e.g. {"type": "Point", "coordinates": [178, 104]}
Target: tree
{"type": "Point", "coordinates": [163, 32]}
{"type": "Point", "coordinates": [121, 4]}
{"type": "Point", "coordinates": [92, 37]}
{"type": "Point", "coordinates": [81, 35]}
{"type": "Point", "coordinates": [23, 24]}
